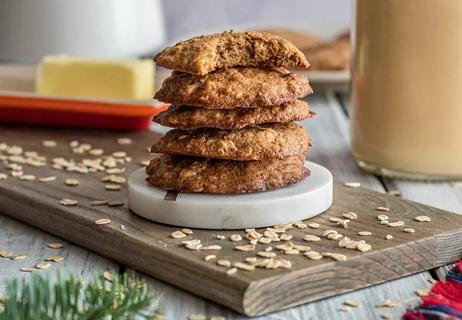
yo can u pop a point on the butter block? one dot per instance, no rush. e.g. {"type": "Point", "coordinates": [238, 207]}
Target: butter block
{"type": "Point", "coordinates": [63, 75]}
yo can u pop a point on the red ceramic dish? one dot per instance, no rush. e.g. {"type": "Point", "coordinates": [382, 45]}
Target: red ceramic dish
{"type": "Point", "coordinates": [25, 107]}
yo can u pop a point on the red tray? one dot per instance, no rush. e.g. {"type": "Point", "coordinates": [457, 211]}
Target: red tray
{"type": "Point", "coordinates": [25, 107]}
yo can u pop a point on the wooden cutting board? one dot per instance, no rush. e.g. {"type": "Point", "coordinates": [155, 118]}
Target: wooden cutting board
{"type": "Point", "coordinates": [147, 246]}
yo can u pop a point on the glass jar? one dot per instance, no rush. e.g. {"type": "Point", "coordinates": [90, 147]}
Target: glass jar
{"type": "Point", "coordinates": [406, 116]}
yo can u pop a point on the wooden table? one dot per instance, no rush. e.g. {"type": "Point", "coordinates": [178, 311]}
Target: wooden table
{"type": "Point", "coordinates": [329, 130]}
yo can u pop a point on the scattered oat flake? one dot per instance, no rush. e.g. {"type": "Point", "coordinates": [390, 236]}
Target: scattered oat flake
{"type": "Point", "coordinates": [382, 217]}
{"type": "Point", "coordinates": [108, 276]}
{"type": "Point", "coordinates": [220, 237]}
{"type": "Point", "coordinates": [96, 152]}
{"type": "Point", "coordinates": [409, 230]}
{"type": "Point", "coordinates": [396, 224]}
{"type": "Point", "coordinates": [112, 187]}
{"type": "Point", "coordinates": [313, 255]}
{"type": "Point", "coordinates": [395, 193]}
{"type": "Point", "coordinates": [247, 247]}
{"type": "Point", "coordinates": [422, 219]}
{"type": "Point", "coordinates": [422, 292]}
{"type": "Point", "coordinates": [350, 215]}
{"type": "Point", "coordinates": [49, 143]}
{"type": "Point", "coordinates": [235, 237]}
{"type": "Point", "coordinates": [47, 179]}
{"type": "Point", "coordinates": [177, 234]}
{"type": "Point", "coordinates": [285, 237]}
{"type": "Point", "coordinates": [124, 141]}
{"type": "Point", "coordinates": [197, 317]}
{"type": "Point", "coordinates": [186, 231]}
{"type": "Point", "coordinates": [55, 245]}
{"type": "Point", "coordinates": [243, 266]}
{"type": "Point", "coordinates": [251, 260]}
{"type": "Point", "coordinates": [55, 258]}
{"type": "Point", "coordinates": [266, 254]}
{"type": "Point", "coordinates": [217, 318]}
{"type": "Point", "coordinates": [388, 237]}
{"type": "Point", "coordinates": [335, 256]}
{"type": "Point", "coordinates": [3, 176]}
{"type": "Point", "coordinates": [145, 163]}
{"type": "Point", "coordinates": [311, 238]}
{"type": "Point", "coordinates": [388, 304]}
{"type": "Point", "coordinates": [193, 246]}
{"type": "Point", "coordinates": [313, 225]}
{"type": "Point", "coordinates": [363, 247]}
{"type": "Point", "coordinates": [68, 202]}
{"type": "Point", "coordinates": [269, 248]}
{"type": "Point", "coordinates": [102, 221]}
{"type": "Point", "coordinates": [43, 265]}
{"type": "Point", "coordinates": [115, 203]}
{"type": "Point", "coordinates": [71, 182]}
{"type": "Point", "coordinates": [25, 269]}
{"type": "Point", "coordinates": [382, 209]}
{"type": "Point", "coordinates": [119, 154]}
{"type": "Point", "coordinates": [123, 227]}
{"type": "Point", "coordinates": [99, 202]}
{"type": "Point", "coordinates": [231, 271]}
{"type": "Point", "coordinates": [5, 253]}
{"type": "Point", "coordinates": [343, 309]}
{"type": "Point", "coordinates": [21, 256]}
{"type": "Point", "coordinates": [352, 303]}
{"type": "Point", "coordinates": [224, 263]}
{"type": "Point", "coordinates": [364, 233]}
{"type": "Point", "coordinates": [27, 177]}
{"type": "Point", "coordinates": [352, 184]}
{"type": "Point", "coordinates": [212, 247]}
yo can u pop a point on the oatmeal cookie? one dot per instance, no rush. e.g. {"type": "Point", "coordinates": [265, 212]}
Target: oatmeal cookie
{"type": "Point", "coordinates": [260, 142]}
{"type": "Point", "coordinates": [188, 117]}
{"type": "Point", "coordinates": [234, 88]}
{"type": "Point", "coordinates": [187, 174]}
{"type": "Point", "coordinates": [204, 54]}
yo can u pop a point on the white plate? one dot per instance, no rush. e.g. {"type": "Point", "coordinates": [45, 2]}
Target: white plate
{"type": "Point", "coordinates": [299, 201]}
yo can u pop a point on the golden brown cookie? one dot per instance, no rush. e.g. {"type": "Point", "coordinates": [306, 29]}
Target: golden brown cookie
{"type": "Point", "coordinates": [260, 142]}
{"type": "Point", "coordinates": [234, 88]}
{"type": "Point", "coordinates": [334, 55]}
{"type": "Point", "coordinates": [203, 54]}
{"type": "Point", "coordinates": [188, 117]}
{"type": "Point", "coordinates": [187, 174]}
{"type": "Point", "coordinates": [302, 40]}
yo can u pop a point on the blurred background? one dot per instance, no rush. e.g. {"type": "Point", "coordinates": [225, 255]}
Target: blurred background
{"type": "Point", "coordinates": [186, 17]}
{"type": "Point", "coordinates": [100, 51]}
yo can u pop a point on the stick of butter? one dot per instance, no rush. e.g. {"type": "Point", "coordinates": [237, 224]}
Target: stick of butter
{"type": "Point", "coordinates": [63, 75]}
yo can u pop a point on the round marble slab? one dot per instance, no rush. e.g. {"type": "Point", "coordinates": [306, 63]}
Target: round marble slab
{"type": "Point", "coordinates": [300, 201]}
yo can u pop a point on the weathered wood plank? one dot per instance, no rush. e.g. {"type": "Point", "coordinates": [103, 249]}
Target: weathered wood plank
{"type": "Point", "coordinates": [178, 304]}
{"type": "Point", "coordinates": [20, 238]}
{"type": "Point", "coordinates": [37, 204]}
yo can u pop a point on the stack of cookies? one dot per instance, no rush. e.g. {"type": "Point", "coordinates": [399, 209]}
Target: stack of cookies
{"type": "Point", "coordinates": [234, 104]}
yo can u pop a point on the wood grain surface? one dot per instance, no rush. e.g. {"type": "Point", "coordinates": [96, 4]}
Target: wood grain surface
{"type": "Point", "coordinates": [147, 247]}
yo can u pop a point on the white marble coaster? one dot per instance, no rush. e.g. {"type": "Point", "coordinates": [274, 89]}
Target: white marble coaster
{"type": "Point", "coordinates": [300, 201]}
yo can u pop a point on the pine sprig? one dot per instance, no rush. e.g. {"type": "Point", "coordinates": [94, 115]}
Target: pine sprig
{"type": "Point", "coordinates": [68, 298]}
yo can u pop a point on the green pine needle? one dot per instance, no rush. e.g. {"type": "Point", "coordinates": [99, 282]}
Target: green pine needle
{"type": "Point", "coordinates": [68, 299]}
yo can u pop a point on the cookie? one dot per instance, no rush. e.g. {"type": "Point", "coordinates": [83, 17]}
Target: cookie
{"type": "Point", "coordinates": [204, 54]}
{"type": "Point", "coordinates": [334, 55]}
{"type": "Point", "coordinates": [234, 88]}
{"type": "Point", "coordinates": [188, 117]}
{"type": "Point", "coordinates": [260, 142]}
{"type": "Point", "coordinates": [302, 40]}
{"type": "Point", "coordinates": [186, 174]}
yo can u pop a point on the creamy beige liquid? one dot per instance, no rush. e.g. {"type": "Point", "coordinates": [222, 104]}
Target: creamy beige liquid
{"type": "Point", "coordinates": [407, 86]}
